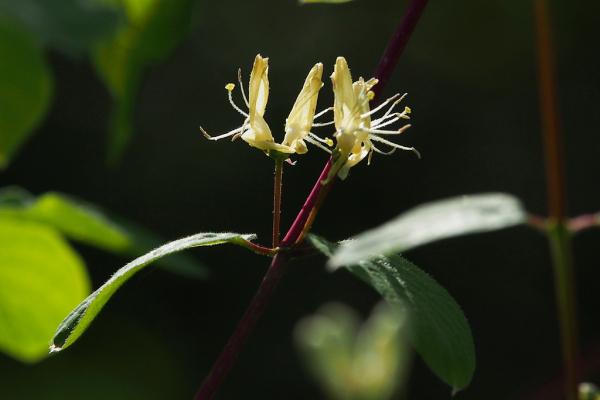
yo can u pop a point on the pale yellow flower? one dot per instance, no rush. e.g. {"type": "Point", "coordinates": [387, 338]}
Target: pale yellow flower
{"type": "Point", "coordinates": [355, 131]}
{"type": "Point", "coordinates": [255, 129]}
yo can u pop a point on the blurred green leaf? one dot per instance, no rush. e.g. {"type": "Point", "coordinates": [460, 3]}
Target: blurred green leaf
{"type": "Point", "coordinates": [151, 30]}
{"type": "Point", "coordinates": [353, 362]}
{"type": "Point", "coordinates": [75, 221]}
{"type": "Point", "coordinates": [79, 319]}
{"type": "Point", "coordinates": [441, 333]}
{"type": "Point", "coordinates": [87, 224]}
{"type": "Point", "coordinates": [69, 26]}
{"type": "Point", "coordinates": [434, 221]}
{"type": "Point", "coordinates": [25, 87]}
{"type": "Point", "coordinates": [42, 280]}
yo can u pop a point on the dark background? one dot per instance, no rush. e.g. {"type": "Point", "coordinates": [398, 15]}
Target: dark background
{"type": "Point", "coordinates": [469, 70]}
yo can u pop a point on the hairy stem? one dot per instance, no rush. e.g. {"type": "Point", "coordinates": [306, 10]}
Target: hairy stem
{"type": "Point", "coordinates": [397, 44]}
{"type": "Point", "coordinates": [243, 330]}
{"type": "Point", "coordinates": [560, 239]}
{"type": "Point", "coordinates": [277, 202]}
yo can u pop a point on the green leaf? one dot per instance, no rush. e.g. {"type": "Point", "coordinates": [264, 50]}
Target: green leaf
{"type": "Point", "coordinates": [87, 224]}
{"type": "Point", "coordinates": [441, 333]}
{"type": "Point", "coordinates": [79, 319]}
{"type": "Point", "coordinates": [151, 30]}
{"type": "Point", "coordinates": [69, 26]}
{"type": "Point", "coordinates": [434, 221]}
{"type": "Point", "coordinates": [25, 87]}
{"type": "Point", "coordinates": [42, 280]}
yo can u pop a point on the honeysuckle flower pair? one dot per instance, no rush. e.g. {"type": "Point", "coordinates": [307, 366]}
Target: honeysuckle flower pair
{"type": "Point", "coordinates": [255, 130]}
{"type": "Point", "coordinates": [354, 130]}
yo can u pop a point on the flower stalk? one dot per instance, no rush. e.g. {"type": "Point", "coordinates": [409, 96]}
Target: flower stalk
{"type": "Point", "coordinates": [277, 202]}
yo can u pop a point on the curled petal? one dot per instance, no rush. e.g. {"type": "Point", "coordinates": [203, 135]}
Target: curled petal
{"type": "Point", "coordinates": [300, 120]}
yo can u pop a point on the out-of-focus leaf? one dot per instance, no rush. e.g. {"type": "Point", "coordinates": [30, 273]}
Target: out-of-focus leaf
{"type": "Point", "coordinates": [69, 26]}
{"type": "Point", "coordinates": [42, 279]}
{"type": "Point", "coordinates": [151, 30]}
{"type": "Point", "coordinates": [441, 333]}
{"type": "Point", "coordinates": [87, 224]}
{"type": "Point", "coordinates": [434, 221]}
{"type": "Point", "coordinates": [75, 221]}
{"type": "Point", "coordinates": [349, 361]}
{"type": "Point", "coordinates": [79, 319]}
{"type": "Point", "coordinates": [25, 87]}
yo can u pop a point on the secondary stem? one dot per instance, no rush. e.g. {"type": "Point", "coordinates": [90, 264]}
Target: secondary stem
{"type": "Point", "coordinates": [277, 202]}
{"type": "Point", "coordinates": [560, 239]}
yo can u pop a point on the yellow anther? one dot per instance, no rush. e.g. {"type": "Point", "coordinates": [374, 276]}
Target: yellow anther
{"type": "Point", "coordinates": [329, 142]}
{"type": "Point", "coordinates": [407, 110]}
{"type": "Point", "coordinates": [230, 87]}
{"type": "Point", "coordinates": [370, 95]}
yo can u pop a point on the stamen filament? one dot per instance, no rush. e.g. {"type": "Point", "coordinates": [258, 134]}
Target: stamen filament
{"type": "Point", "coordinates": [379, 107]}
{"type": "Point", "coordinates": [378, 124]}
{"type": "Point", "coordinates": [316, 143]}
{"type": "Point", "coordinates": [234, 106]}
{"type": "Point", "coordinates": [322, 112]}
{"type": "Point", "coordinates": [242, 88]}
{"type": "Point", "coordinates": [233, 132]}
{"type": "Point", "coordinates": [386, 153]}
{"type": "Point", "coordinates": [324, 123]}
{"type": "Point", "coordinates": [378, 139]}
{"type": "Point", "coordinates": [327, 141]}
{"type": "Point", "coordinates": [380, 132]}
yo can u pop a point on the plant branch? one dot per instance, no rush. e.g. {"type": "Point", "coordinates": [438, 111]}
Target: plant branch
{"type": "Point", "coordinates": [277, 202]}
{"type": "Point", "coordinates": [298, 225]}
{"type": "Point", "coordinates": [560, 239]}
{"type": "Point", "coordinates": [303, 221]}
{"type": "Point", "coordinates": [243, 330]}
{"type": "Point", "coordinates": [397, 44]}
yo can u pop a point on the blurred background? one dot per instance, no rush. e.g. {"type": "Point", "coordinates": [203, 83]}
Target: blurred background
{"type": "Point", "coordinates": [469, 71]}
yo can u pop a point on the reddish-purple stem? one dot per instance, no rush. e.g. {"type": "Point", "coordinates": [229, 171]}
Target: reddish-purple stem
{"type": "Point", "coordinates": [298, 225]}
{"type": "Point", "coordinates": [397, 44]}
{"type": "Point", "coordinates": [243, 330]}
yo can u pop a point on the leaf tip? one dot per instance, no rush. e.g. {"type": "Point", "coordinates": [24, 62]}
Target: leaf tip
{"type": "Point", "coordinates": [54, 348]}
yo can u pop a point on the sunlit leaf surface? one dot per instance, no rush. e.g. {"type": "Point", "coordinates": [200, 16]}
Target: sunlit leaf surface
{"type": "Point", "coordinates": [434, 221]}
{"type": "Point", "coordinates": [441, 333]}
{"type": "Point", "coordinates": [41, 279]}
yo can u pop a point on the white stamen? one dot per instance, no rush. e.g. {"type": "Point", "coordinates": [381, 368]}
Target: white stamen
{"type": "Point", "coordinates": [378, 124]}
{"type": "Point", "coordinates": [324, 123]}
{"type": "Point", "coordinates": [230, 133]}
{"type": "Point", "coordinates": [380, 132]}
{"type": "Point", "coordinates": [379, 107]}
{"type": "Point", "coordinates": [230, 89]}
{"type": "Point", "coordinates": [327, 141]}
{"type": "Point", "coordinates": [378, 139]}
{"type": "Point", "coordinates": [322, 112]}
{"type": "Point", "coordinates": [242, 88]}
{"type": "Point", "coordinates": [309, 139]}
